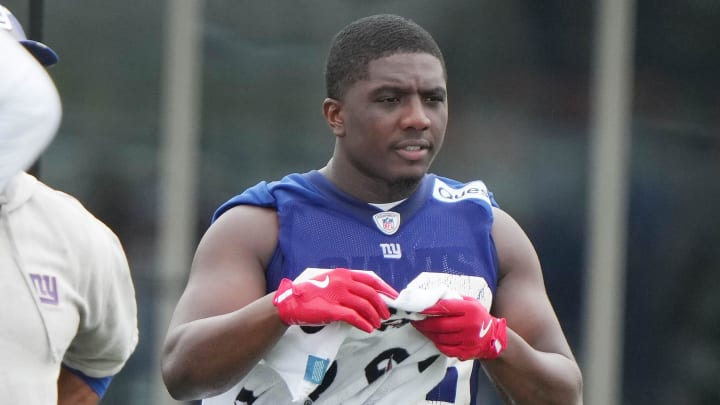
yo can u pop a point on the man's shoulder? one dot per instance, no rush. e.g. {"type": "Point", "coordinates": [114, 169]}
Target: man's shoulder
{"type": "Point", "coordinates": [63, 202]}
{"type": "Point", "coordinates": [266, 193]}
{"type": "Point", "coordinates": [65, 213]}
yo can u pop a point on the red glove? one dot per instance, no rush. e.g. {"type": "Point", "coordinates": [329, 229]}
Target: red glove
{"type": "Point", "coordinates": [464, 329]}
{"type": "Point", "coordinates": [337, 295]}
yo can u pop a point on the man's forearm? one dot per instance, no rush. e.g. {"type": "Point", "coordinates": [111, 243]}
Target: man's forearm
{"type": "Point", "coordinates": [527, 376]}
{"type": "Point", "coordinates": [72, 390]}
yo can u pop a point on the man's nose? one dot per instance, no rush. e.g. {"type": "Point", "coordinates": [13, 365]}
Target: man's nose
{"type": "Point", "coordinates": [414, 115]}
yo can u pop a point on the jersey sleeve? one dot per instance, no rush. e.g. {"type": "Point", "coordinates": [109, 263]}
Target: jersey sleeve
{"type": "Point", "coordinates": [259, 195]}
{"type": "Point", "coordinates": [107, 333]}
{"type": "Point", "coordinates": [98, 384]}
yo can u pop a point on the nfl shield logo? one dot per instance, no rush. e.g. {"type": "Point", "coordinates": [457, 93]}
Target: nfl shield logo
{"type": "Point", "coordinates": [387, 222]}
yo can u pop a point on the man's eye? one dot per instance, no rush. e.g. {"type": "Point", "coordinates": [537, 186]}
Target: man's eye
{"type": "Point", "coordinates": [434, 99]}
{"type": "Point", "coordinates": [389, 99]}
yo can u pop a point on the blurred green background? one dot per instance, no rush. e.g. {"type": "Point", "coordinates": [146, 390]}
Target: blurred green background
{"type": "Point", "coordinates": [519, 90]}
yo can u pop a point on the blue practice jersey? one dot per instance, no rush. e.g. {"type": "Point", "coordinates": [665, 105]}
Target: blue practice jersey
{"type": "Point", "coordinates": [444, 227]}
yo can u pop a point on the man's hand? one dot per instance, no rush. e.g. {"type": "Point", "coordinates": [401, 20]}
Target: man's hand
{"type": "Point", "coordinates": [337, 295]}
{"type": "Point", "coordinates": [464, 329]}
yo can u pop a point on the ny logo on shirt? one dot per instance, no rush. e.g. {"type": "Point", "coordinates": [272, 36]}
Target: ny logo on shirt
{"type": "Point", "coordinates": [391, 250]}
{"type": "Point", "coordinates": [46, 288]}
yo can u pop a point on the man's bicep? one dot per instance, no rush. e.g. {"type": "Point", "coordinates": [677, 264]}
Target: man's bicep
{"type": "Point", "coordinates": [529, 313]}
{"type": "Point", "coordinates": [521, 297]}
{"type": "Point", "coordinates": [228, 270]}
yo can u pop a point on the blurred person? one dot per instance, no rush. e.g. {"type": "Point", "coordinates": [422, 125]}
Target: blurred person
{"type": "Point", "coordinates": [68, 303]}
{"type": "Point", "coordinates": [370, 280]}
{"type": "Point", "coordinates": [31, 110]}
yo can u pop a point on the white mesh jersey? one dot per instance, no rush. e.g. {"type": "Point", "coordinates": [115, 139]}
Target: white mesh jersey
{"type": "Point", "coordinates": [338, 364]}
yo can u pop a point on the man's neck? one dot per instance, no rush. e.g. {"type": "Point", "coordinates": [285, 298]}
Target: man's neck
{"type": "Point", "coordinates": [371, 190]}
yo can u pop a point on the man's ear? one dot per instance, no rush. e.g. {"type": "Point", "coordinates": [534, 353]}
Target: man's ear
{"type": "Point", "coordinates": [332, 110]}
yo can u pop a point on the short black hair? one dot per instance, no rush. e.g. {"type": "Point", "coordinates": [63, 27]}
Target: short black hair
{"type": "Point", "coordinates": [368, 39]}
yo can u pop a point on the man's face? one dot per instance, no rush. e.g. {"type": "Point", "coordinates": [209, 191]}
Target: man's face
{"type": "Point", "coordinates": [394, 121]}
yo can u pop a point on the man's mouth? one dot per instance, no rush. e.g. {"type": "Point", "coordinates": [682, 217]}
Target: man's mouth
{"type": "Point", "coordinates": [413, 152]}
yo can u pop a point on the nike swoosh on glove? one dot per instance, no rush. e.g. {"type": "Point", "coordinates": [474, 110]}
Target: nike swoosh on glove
{"type": "Point", "coordinates": [336, 295]}
{"type": "Point", "coordinates": [464, 328]}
